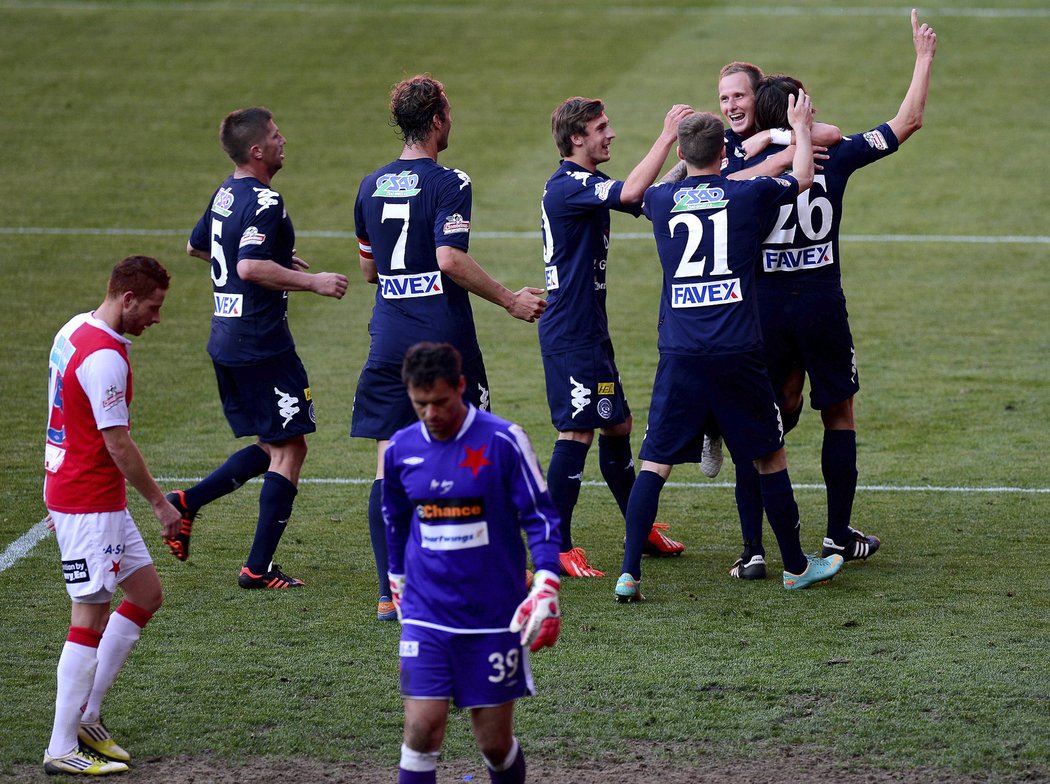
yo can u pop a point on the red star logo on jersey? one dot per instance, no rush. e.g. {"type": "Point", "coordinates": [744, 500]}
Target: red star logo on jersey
{"type": "Point", "coordinates": [116, 567]}
{"type": "Point", "coordinates": [475, 459]}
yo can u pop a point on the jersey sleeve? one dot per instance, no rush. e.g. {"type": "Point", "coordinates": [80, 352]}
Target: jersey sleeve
{"type": "Point", "coordinates": [528, 490]}
{"type": "Point", "coordinates": [397, 512]}
{"type": "Point", "coordinates": [104, 378]}
{"type": "Point", "coordinates": [360, 227]}
{"type": "Point", "coordinates": [258, 238]}
{"type": "Point", "coordinates": [860, 149]}
{"type": "Point", "coordinates": [452, 216]}
{"type": "Point", "coordinates": [200, 237]}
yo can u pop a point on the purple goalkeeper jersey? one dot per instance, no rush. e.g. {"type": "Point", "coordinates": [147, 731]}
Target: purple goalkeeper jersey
{"type": "Point", "coordinates": [454, 513]}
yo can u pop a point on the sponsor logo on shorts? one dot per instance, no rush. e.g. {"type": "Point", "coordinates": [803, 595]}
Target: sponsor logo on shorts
{"type": "Point", "coordinates": [702, 295]}
{"type": "Point", "coordinates": [456, 224]}
{"type": "Point", "coordinates": [605, 408]}
{"type": "Point", "coordinates": [551, 275]}
{"type": "Point", "coordinates": [112, 398]}
{"type": "Point", "coordinates": [705, 198]}
{"type": "Point", "coordinates": [581, 396]}
{"type": "Point", "coordinates": [228, 305]}
{"type": "Point", "coordinates": [266, 198]}
{"type": "Point", "coordinates": [75, 571]}
{"type": "Point", "coordinates": [252, 236]}
{"type": "Point", "coordinates": [307, 395]}
{"type": "Point", "coordinates": [450, 509]}
{"type": "Point", "coordinates": [287, 406]}
{"type": "Point", "coordinates": [462, 536]}
{"type": "Point", "coordinates": [223, 202]}
{"type": "Point", "coordinates": [423, 284]}
{"type": "Point", "coordinates": [795, 259]}
{"type": "Point", "coordinates": [876, 140]}
{"type": "Point", "coordinates": [601, 190]}
{"type": "Point", "coordinates": [409, 648]}
{"type": "Point", "coordinates": [396, 186]}
{"type": "Point", "coordinates": [606, 387]}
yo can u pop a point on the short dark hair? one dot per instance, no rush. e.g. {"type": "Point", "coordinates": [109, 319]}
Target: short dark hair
{"type": "Point", "coordinates": [241, 129]}
{"type": "Point", "coordinates": [571, 118]}
{"type": "Point", "coordinates": [414, 103]}
{"type": "Point", "coordinates": [701, 138]}
{"type": "Point", "coordinates": [753, 72]}
{"type": "Point", "coordinates": [425, 363]}
{"type": "Point", "coordinates": [141, 275]}
{"type": "Point", "coordinates": [771, 100]}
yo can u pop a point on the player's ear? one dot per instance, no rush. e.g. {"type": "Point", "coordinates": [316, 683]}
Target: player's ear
{"type": "Point", "coordinates": [462, 386]}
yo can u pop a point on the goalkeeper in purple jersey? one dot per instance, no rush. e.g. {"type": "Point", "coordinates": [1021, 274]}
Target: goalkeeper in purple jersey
{"type": "Point", "coordinates": [584, 391]}
{"type": "Point", "coordinates": [459, 488]}
{"type": "Point", "coordinates": [412, 219]}
{"type": "Point", "coordinates": [803, 308]}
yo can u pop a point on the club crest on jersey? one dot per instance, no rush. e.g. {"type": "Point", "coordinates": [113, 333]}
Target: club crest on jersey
{"type": "Point", "coordinates": [475, 459]}
{"type": "Point", "coordinates": [396, 186]}
{"type": "Point", "coordinates": [223, 202]}
{"type": "Point", "coordinates": [795, 259]}
{"type": "Point", "coordinates": [876, 140]}
{"type": "Point", "coordinates": [228, 305]}
{"type": "Point", "coordinates": [423, 284]}
{"type": "Point", "coordinates": [702, 295]}
{"type": "Point", "coordinates": [252, 236]}
{"type": "Point", "coordinates": [703, 198]}
{"type": "Point", "coordinates": [113, 397]}
{"type": "Point", "coordinates": [266, 198]}
{"type": "Point", "coordinates": [75, 571]}
{"type": "Point", "coordinates": [456, 224]}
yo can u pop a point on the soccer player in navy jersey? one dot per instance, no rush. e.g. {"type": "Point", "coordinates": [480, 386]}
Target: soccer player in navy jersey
{"type": "Point", "coordinates": [707, 230]}
{"type": "Point", "coordinates": [247, 237]}
{"type": "Point", "coordinates": [583, 385]}
{"type": "Point", "coordinates": [803, 307]}
{"type": "Point", "coordinates": [412, 219]}
{"type": "Point", "coordinates": [459, 488]}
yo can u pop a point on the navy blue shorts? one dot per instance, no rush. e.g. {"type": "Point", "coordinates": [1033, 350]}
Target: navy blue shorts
{"type": "Point", "coordinates": [270, 399]}
{"type": "Point", "coordinates": [808, 329]}
{"type": "Point", "coordinates": [472, 670]}
{"type": "Point", "coordinates": [382, 406]}
{"type": "Point", "coordinates": [584, 390]}
{"type": "Point", "coordinates": [691, 393]}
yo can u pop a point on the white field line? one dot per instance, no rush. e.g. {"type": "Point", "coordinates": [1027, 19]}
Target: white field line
{"type": "Point", "coordinates": [523, 9]}
{"type": "Point", "coordinates": [970, 239]}
{"type": "Point", "coordinates": [22, 546]}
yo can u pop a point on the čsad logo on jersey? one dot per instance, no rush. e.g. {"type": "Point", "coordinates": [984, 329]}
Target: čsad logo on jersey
{"type": "Point", "coordinates": [396, 186]}
{"type": "Point", "coordinates": [689, 199]}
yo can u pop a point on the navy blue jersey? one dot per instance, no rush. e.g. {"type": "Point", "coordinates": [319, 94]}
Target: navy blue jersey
{"type": "Point", "coordinates": [708, 230]}
{"type": "Point", "coordinates": [454, 513]}
{"type": "Point", "coordinates": [403, 213]}
{"type": "Point", "coordinates": [575, 228]}
{"type": "Point", "coordinates": [246, 220]}
{"type": "Point", "coordinates": [734, 160]}
{"type": "Point", "coordinates": [803, 246]}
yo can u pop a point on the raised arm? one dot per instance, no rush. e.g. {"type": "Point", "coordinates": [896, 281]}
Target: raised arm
{"type": "Point", "coordinates": [648, 168]}
{"type": "Point", "coordinates": [909, 116]}
{"type": "Point", "coordinates": [800, 115]}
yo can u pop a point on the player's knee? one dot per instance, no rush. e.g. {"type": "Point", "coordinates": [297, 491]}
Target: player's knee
{"type": "Point", "coordinates": [791, 417]}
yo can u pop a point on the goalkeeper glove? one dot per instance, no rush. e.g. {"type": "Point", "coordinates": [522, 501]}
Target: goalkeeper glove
{"type": "Point", "coordinates": [538, 618]}
{"type": "Point", "coordinates": [397, 589]}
